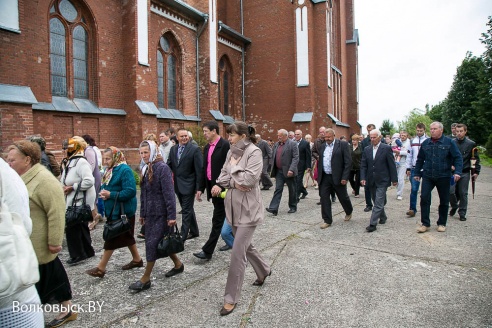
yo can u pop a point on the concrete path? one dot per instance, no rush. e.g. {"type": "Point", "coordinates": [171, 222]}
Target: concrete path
{"type": "Point", "coordinates": [338, 277]}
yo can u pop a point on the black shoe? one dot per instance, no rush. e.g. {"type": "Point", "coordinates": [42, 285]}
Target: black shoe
{"type": "Point", "coordinates": [224, 311]}
{"type": "Point", "coordinates": [462, 218]}
{"type": "Point", "coordinates": [225, 248]}
{"type": "Point", "coordinates": [202, 255]}
{"type": "Point", "coordinates": [71, 316]}
{"type": "Point", "coordinates": [274, 212]}
{"type": "Point", "coordinates": [76, 260]}
{"type": "Point", "coordinates": [318, 203]}
{"type": "Point", "coordinates": [139, 286]}
{"type": "Point", "coordinates": [292, 210]}
{"type": "Point", "coordinates": [174, 271]}
{"type": "Point", "coordinates": [381, 221]}
{"type": "Point", "coordinates": [190, 236]}
{"type": "Point", "coordinates": [303, 196]}
{"type": "Point", "coordinates": [265, 188]}
{"type": "Point", "coordinates": [452, 211]}
{"type": "Point", "coordinates": [180, 212]}
{"type": "Point", "coordinates": [368, 209]}
{"type": "Point", "coordinates": [371, 228]}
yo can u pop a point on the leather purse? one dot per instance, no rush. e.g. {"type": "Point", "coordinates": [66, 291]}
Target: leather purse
{"type": "Point", "coordinates": [78, 213]}
{"type": "Point", "coordinates": [114, 228]}
{"type": "Point", "coordinates": [171, 243]}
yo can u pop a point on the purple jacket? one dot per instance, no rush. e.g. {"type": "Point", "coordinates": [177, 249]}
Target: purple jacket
{"type": "Point", "coordinates": [157, 198]}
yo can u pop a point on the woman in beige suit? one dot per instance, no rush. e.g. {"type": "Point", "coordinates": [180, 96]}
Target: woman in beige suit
{"type": "Point", "coordinates": [244, 209]}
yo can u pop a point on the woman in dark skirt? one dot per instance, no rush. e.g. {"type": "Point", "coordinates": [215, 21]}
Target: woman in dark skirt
{"type": "Point", "coordinates": [118, 186]}
{"type": "Point", "coordinates": [47, 207]}
{"type": "Point", "coordinates": [157, 209]}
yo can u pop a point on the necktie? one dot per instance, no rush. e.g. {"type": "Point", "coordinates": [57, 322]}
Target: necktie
{"type": "Point", "coordinates": [180, 152]}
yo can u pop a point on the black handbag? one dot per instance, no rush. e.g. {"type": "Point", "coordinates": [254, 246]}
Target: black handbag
{"type": "Point", "coordinates": [78, 214]}
{"type": "Point", "coordinates": [114, 228]}
{"type": "Point", "coordinates": [171, 243]}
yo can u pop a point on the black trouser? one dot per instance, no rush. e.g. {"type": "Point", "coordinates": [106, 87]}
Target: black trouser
{"type": "Point", "coordinates": [280, 179]}
{"type": "Point", "coordinates": [300, 185]}
{"type": "Point", "coordinates": [188, 221]}
{"type": "Point", "coordinates": [354, 180]}
{"type": "Point", "coordinates": [217, 223]}
{"type": "Point", "coordinates": [326, 187]}
{"type": "Point", "coordinates": [79, 241]}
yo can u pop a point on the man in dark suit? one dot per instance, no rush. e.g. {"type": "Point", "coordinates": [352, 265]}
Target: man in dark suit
{"type": "Point", "coordinates": [304, 163]}
{"type": "Point", "coordinates": [334, 167]}
{"type": "Point", "coordinates": [377, 172]}
{"type": "Point", "coordinates": [185, 160]}
{"type": "Point", "coordinates": [284, 169]}
{"type": "Point", "coordinates": [214, 156]}
{"type": "Point", "coordinates": [267, 155]}
{"type": "Point", "coordinates": [367, 192]}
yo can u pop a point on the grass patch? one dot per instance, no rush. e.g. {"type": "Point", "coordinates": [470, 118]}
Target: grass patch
{"type": "Point", "coordinates": [485, 160]}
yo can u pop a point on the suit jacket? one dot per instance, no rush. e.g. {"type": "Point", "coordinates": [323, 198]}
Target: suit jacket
{"type": "Point", "coordinates": [289, 160]}
{"type": "Point", "coordinates": [265, 149]}
{"type": "Point", "coordinates": [381, 170]}
{"type": "Point", "coordinates": [218, 159]}
{"type": "Point", "coordinates": [341, 161]}
{"type": "Point", "coordinates": [304, 156]}
{"type": "Point", "coordinates": [187, 173]}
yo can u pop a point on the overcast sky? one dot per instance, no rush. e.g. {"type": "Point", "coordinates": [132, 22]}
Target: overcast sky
{"type": "Point", "coordinates": [409, 52]}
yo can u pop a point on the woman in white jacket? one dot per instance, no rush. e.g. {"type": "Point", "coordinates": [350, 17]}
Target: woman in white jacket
{"type": "Point", "coordinates": [77, 172]}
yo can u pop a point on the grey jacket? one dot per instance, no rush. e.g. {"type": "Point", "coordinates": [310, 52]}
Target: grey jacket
{"type": "Point", "coordinates": [289, 160]}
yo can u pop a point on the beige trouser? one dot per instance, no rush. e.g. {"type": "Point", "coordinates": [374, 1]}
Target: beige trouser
{"type": "Point", "coordinates": [242, 252]}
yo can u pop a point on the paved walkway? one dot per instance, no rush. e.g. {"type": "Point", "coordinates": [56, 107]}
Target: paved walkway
{"type": "Point", "coordinates": [338, 277]}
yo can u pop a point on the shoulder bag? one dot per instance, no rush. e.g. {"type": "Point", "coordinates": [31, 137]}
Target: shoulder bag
{"type": "Point", "coordinates": [114, 228]}
{"type": "Point", "coordinates": [171, 243]}
{"type": "Point", "coordinates": [78, 214]}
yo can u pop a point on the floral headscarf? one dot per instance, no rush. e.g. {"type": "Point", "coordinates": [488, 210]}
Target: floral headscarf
{"type": "Point", "coordinates": [155, 156]}
{"type": "Point", "coordinates": [76, 147]}
{"type": "Point", "coordinates": [117, 158]}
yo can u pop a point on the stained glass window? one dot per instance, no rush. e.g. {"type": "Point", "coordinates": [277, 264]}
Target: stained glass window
{"type": "Point", "coordinates": [80, 62]}
{"type": "Point", "coordinates": [167, 73]}
{"type": "Point", "coordinates": [57, 58]}
{"type": "Point", "coordinates": [67, 10]}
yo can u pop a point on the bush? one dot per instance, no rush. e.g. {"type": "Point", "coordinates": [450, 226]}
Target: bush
{"type": "Point", "coordinates": [488, 146]}
{"type": "Point", "coordinates": [137, 177]}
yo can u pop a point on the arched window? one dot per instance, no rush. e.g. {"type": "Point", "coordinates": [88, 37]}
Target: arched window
{"type": "Point", "coordinates": [69, 51]}
{"type": "Point", "coordinates": [167, 72]}
{"type": "Point", "coordinates": [225, 86]}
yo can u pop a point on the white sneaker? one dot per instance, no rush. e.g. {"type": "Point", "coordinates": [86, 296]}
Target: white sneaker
{"type": "Point", "coordinates": [399, 198]}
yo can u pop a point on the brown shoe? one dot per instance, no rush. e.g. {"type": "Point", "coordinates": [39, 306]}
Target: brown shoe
{"type": "Point", "coordinates": [411, 213]}
{"type": "Point", "coordinates": [132, 265]}
{"type": "Point", "coordinates": [96, 272]}
{"type": "Point", "coordinates": [348, 217]}
{"type": "Point", "coordinates": [324, 225]}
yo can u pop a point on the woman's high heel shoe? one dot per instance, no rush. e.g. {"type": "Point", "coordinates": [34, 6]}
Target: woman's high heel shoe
{"type": "Point", "coordinates": [259, 282]}
{"type": "Point", "coordinates": [224, 311]}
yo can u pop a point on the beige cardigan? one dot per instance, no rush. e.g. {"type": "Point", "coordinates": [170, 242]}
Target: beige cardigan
{"type": "Point", "coordinates": [243, 208]}
{"type": "Point", "coordinates": [47, 205]}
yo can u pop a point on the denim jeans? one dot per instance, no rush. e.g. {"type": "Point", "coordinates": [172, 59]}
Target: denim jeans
{"type": "Point", "coordinates": [100, 207]}
{"type": "Point", "coordinates": [442, 185]}
{"type": "Point", "coordinates": [415, 190]}
{"type": "Point", "coordinates": [226, 234]}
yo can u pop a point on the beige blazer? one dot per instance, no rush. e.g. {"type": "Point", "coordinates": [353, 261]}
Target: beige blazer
{"type": "Point", "coordinates": [243, 208]}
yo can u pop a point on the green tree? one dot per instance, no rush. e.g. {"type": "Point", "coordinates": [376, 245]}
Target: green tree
{"type": "Point", "coordinates": [465, 98]}
{"type": "Point", "coordinates": [411, 120]}
{"type": "Point", "coordinates": [435, 112]}
{"type": "Point", "coordinates": [387, 127]}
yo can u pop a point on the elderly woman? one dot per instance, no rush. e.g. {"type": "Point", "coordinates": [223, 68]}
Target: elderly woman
{"type": "Point", "coordinates": [244, 209]}
{"type": "Point", "coordinates": [118, 186]}
{"type": "Point", "coordinates": [48, 219]}
{"type": "Point", "coordinates": [78, 173]}
{"type": "Point", "coordinates": [157, 209]}
{"type": "Point", "coordinates": [356, 153]}
{"type": "Point", "coordinates": [93, 156]}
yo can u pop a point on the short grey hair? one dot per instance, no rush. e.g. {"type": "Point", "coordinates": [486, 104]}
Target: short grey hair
{"type": "Point", "coordinates": [330, 130]}
{"type": "Point", "coordinates": [375, 131]}
{"type": "Point", "coordinates": [438, 124]}
{"type": "Point", "coordinates": [284, 132]}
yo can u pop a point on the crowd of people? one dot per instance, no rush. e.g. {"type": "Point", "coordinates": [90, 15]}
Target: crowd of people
{"type": "Point", "coordinates": [233, 173]}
